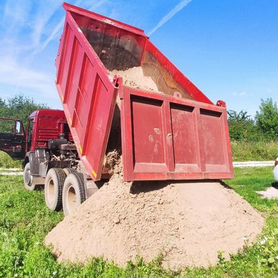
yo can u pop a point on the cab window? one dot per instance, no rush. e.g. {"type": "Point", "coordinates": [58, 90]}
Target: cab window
{"type": "Point", "coordinates": [19, 128]}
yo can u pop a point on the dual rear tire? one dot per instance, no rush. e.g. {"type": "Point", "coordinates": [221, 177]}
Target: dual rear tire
{"type": "Point", "coordinates": [64, 189]}
{"type": "Point", "coordinates": [53, 188]}
{"type": "Point", "coordinates": [73, 192]}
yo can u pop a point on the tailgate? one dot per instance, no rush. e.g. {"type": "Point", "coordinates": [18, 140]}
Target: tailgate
{"type": "Point", "coordinates": [169, 138]}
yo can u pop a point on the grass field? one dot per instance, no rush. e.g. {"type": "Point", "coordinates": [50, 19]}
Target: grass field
{"type": "Point", "coordinates": [24, 222]}
{"type": "Point", "coordinates": [244, 151]}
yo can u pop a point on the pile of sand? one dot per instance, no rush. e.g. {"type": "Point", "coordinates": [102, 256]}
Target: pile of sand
{"type": "Point", "coordinates": [187, 222]}
{"type": "Point", "coordinates": [151, 79]}
{"type": "Point", "coordinates": [135, 78]}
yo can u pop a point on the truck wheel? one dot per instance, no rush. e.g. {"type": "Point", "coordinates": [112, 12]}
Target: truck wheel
{"type": "Point", "coordinates": [68, 171]}
{"type": "Point", "coordinates": [53, 188]}
{"type": "Point", "coordinates": [73, 192]}
{"type": "Point", "coordinates": [28, 179]}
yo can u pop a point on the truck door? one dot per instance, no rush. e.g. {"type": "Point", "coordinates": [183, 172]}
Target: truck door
{"type": "Point", "coordinates": [12, 137]}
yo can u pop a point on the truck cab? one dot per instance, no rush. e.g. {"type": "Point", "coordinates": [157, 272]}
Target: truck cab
{"type": "Point", "coordinates": [49, 156]}
{"type": "Point", "coordinates": [46, 130]}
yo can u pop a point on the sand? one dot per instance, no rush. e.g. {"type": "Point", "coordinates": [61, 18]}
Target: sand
{"type": "Point", "coordinates": [150, 78]}
{"type": "Point", "coordinates": [270, 193]}
{"type": "Point", "coordinates": [187, 222]}
{"type": "Point", "coordinates": [135, 78]}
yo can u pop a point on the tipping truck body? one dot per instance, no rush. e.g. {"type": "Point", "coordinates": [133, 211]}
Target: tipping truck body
{"type": "Point", "coordinates": [174, 133]}
{"type": "Point", "coordinates": [120, 96]}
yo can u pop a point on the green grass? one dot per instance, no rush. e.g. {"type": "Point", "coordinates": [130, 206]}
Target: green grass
{"type": "Point", "coordinates": [244, 151]}
{"type": "Point", "coordinates": [7, 162]}
{"type": "Point", "coordinates": [25, 221]}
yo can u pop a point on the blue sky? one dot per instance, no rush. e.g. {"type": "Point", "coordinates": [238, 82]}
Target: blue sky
{"type": "Point", "coordinates": [228, 48]}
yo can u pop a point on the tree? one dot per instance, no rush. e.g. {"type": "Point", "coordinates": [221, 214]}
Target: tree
{"type": "Point", "coordinates": [19, 107]}
{"type": "Point", "coordinates": [267, 118]}
{"type": "Point", "coordinates": [242, 126]}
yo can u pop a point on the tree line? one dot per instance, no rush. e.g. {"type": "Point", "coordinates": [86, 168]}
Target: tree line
{"type": "Point", "coordinates": [242, 126]}
{"type": "Point", "coordinates": [19, 107]}
{"type": "Point", "coordinates": [264, 127]}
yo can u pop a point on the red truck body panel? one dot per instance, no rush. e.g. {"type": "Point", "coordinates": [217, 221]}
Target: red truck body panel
{"type": "Point", "coordinates": [88, 97]}
{"type": "Point", "coordinates": [177, 135]}
{"type": "Point", "coordinates": [169, 138]}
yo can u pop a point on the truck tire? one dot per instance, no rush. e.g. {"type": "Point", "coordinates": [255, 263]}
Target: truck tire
{"type": "Point", "coordinates": [53, 188]}
{"type": "Point", "coordinates": [27, 178]}
{"type": "Point", "coordinates": [74, 193]}
{"type": "Point", "coordinates": [68, 171]}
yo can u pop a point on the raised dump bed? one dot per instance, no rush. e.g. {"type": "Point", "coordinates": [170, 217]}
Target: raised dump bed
{"type": "Point", "coordinates": [168, 128]}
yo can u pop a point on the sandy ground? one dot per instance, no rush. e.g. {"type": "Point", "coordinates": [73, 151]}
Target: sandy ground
{"type": "Point", "coordinates": [269, 193]}
{"type": "Point", "coordinates": [187, 222]}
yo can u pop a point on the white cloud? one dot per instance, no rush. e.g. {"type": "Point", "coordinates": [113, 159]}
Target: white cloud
{"type": "Point", "coordinates": [25, 21]}
{"type": "Point", "coordinates": [53, 35]}
{"type": "Point", "coordinates": [239, 93]}
{"type": "Point", "coordinates": [18, 76]}
{"type": "Point", "coordinates": [48, 9]}
{"type": "Point", "coordinates": [16, 14]}
{"type": "Point", "coordinates": [31, 26]}
{"type": "Point", "coordinates": [58, 28]}
{"type": "Point", "coordinates": [180, 6]}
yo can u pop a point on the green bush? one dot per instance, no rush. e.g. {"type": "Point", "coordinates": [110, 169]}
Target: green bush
{"type": "Point", "coordinates": [7, 162]}
{"type": "Point", "coordinates": [267, 118]}
{"type": "Point", "coordinates": [244, 151]}
{"type": "Point", "coordinates": [19, 107]}
{"type": "Point", "coordinates": [242, 127]}
{"type": "Point", "coordinates": [263, 127]}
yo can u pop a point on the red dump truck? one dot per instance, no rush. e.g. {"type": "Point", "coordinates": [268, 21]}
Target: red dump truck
{"type": "Point", "coordinates": [121, 94]}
